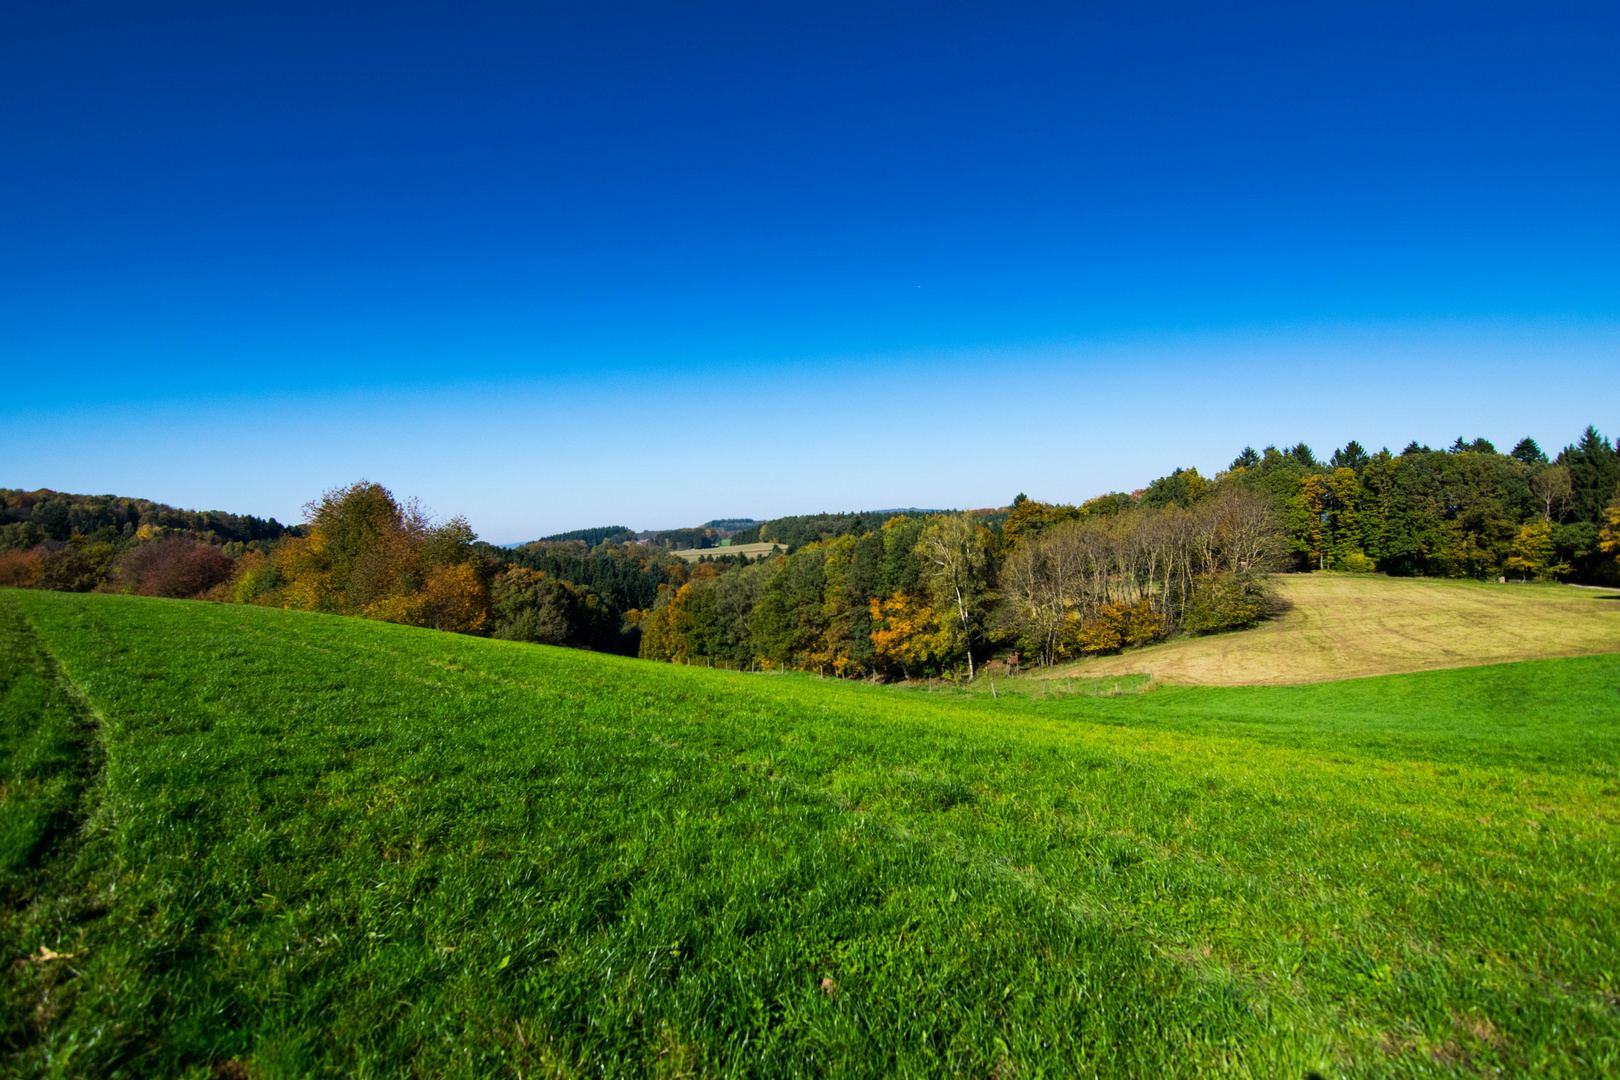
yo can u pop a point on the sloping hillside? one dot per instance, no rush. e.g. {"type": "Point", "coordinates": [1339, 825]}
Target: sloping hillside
{"type": "Point", "coordinates": [251, 842]}
{"type": "Point", "coordinates": [1346, 626]}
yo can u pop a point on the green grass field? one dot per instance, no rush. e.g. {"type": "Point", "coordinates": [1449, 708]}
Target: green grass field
{"type": "Point", "coordinates": [1350, 626]}
{"type": "Point", "coordinates": [247, 842]}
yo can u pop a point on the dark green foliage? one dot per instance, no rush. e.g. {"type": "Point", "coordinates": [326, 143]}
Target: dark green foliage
{"type": "Point", "coordinates": [61, 516]}
{"type": "Point", "coordinates": [686, 539]}
{"type": "Point", "coordinates": [624, 576]}
{"type": "Point", "coordinates": [20, 536]}
{"type": "Point", "coordinates": [537, 607]}
{"type": "Point", "coordinates": [795, 532]}
{"type": "Point", "coordinates": [602, 534]}
{"type": "Point", "coordinates": [1444, 514]}
{"type": "Point", "coordinates": [1354, 457]}
{"type": "Point", "coordinates": [1229, 602]}
{"type": "Point", "coordinates": [76, 568]}
{"type": "Point", "coordinates": [1594, 472]}
{"type": "Point", "coordinates": [1526, 452]}
{"type": "Point", "coordinates": [1184, 487]}
{"type": "Point", "coordinates": [790, 619]}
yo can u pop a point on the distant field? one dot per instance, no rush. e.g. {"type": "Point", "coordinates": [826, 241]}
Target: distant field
{"type": "Point", "coordinates": [753, 551]}
{"type": "Point", "coordinates": [248, 842]}
{"type": "Point", "coordinates": [1344, 626]}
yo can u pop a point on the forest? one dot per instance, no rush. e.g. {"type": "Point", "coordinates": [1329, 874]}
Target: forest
{"type": "Point", "coordinates": [876, 594]}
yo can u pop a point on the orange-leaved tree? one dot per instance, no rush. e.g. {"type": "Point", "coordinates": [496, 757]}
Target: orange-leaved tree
{"type": "Point", "coordinates": [364, 553]}
{"type": "Point", "coordinates": [908, 634]}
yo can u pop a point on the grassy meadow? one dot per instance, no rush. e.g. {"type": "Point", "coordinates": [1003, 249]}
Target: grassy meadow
{"type": "Point", "coordinates": [1350, 626]}
{"type": "Point", "coordinates": [248, 842]}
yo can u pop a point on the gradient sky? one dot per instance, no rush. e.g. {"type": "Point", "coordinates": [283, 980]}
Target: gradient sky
{"type": "Point", "coordinates": [561, 265]}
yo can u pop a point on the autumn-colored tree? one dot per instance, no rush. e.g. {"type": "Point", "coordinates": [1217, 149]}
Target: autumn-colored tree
{"type": "Point", "coordinates": [20, 569]}
{"type": "Point", "coordinates": [79, 567]}
{"type": "Point", "coordinates": [363, 553]}
{"type": "Point", "coordinates": [1609, 537]}
{"type": "Point", "coordinates": [1029, 518]}
{"type": "Point", "coordinates": [173, 566]}
{"type": "Point", "coordinates": [361, 549]}
{"type": "Point", "coordinates": [1534, 553]}
{"type": "Point", "coordinates": [907, 634]}
{"type": "Point", "coordinates": [1332, 516]}
{"type": "Point", "coordinates": [457, 599]}
{"type": "Point", "coordinates": [1117, 625]}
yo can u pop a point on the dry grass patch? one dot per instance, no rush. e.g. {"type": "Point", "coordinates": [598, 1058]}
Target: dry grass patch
{"type": "Point", "coordinates": [753, 551]}
{"type": "Point", "coordinates": [1346, 626]}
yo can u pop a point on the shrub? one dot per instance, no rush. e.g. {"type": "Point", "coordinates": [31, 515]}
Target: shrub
{"type": "Point", "coordinates": [1228, 602]}
{"type": "Point", "coordinates": [19, 569]}
{"type": "Point", "coordinates": [1357, 563]}
{"type": "Point", "coordinates": [532, 605]}
{"type": "Point", "coordinates": [256, 579]}
{"type": "Point", "coordinates": [175, 567]}
{"type": "Point", "coordinates": [76, 568]}
{"type": "Point", "coordinates": [1120, 624]}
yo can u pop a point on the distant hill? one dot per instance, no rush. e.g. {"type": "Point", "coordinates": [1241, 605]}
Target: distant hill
{"type": "Point", "coordinates": [601, 534]}
{"type": "Point", "coordinates": [32, 517]}
{"type": "Point", "coordinates": [808, 528]}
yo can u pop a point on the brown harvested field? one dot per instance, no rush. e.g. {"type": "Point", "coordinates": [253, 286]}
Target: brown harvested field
{"type": "Point", "coordinates": [1344, 626]}
{"type": "Point", "coordinates": [753, 551]}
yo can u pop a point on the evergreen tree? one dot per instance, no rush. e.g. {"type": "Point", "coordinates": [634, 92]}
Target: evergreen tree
{"type": "Point", "coordinates": [1528, 453]}
{"type": "Point", "coordinates": [1353, 457]}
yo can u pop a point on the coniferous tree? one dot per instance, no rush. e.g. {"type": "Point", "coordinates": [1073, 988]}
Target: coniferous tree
{"type": "Point", "coordinates": [1248, 459]}
{"type": "Point", "coordinates": [1353, 457]}
{"type": "Point", "coordinates": [1528, 453]}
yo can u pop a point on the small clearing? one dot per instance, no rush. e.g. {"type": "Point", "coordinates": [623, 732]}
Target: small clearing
{"type": "Point", "coordinates": [1347, 626]}
{"type": "Point", "coordinates": [753, 551]}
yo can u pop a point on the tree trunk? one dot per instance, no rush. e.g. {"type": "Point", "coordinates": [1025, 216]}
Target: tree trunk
{"type": "Point", "coordinates": [967, 630]}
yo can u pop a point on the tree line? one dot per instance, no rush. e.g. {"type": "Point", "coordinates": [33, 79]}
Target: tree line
{"type": "Point", "coordinates": [874, 594]}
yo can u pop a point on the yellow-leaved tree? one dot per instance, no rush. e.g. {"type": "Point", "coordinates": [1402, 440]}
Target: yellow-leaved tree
{"type": "Point", "coordinates": [1609, 538]}
{"type": "Point", "coordinates": [363, 553]}
{"type": "Point", "coordinates": [1534, 553]}
{"type": "Point", "coordinates": [908, 634]}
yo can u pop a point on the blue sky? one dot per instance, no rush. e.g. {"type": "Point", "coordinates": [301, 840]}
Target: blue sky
{"type": "Point", "coordinates": [562, 265]}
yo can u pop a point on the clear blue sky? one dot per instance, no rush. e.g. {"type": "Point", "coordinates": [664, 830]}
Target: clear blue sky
{"type": "Point", "coordinates": [559, 265]}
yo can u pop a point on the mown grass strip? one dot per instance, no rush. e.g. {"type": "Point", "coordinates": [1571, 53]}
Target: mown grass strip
{"type": "Point", "coordinates": [50, 761]}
